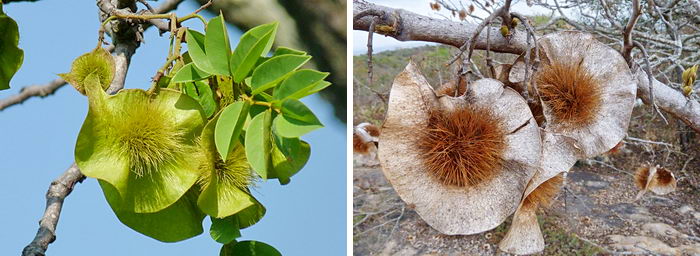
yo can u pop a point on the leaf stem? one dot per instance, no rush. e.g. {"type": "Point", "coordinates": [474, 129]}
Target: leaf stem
{"type": "Point", "coordinates": [260, 103]}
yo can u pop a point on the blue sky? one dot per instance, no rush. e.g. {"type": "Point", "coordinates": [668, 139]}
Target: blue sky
{"type": "Point", "coordinates": [306, 217]}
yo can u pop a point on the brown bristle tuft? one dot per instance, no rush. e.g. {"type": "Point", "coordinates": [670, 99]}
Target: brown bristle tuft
{"type": "Point", "coordinates": [571, 92]}
{"type": "Point", "coordinates": [663, 176]}
{"type": "Point", "coordinates": [462, 147]}
{"type": "Point", "coordinates": [641, 176]}
{"type": "Point", "coordinates": [372, 130]}
{"type": "Point", "coordinates": [448, 88]}
{"type": "Point", "coordinates": [616, 149]}
{"type": "Point", "coordinates": [542, 196]}
{"type": "Point", "coordinates": [359, 146]}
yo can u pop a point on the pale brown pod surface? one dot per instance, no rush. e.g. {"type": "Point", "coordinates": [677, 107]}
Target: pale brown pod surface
{"type": "Point", "coordinates": [524, 235]}
{"type": "Point", "coordinates": [566, 141]}
{"type": "Point", "coordinates": [451, 209]}
{"type": "Point", "coordinates": [616, 91]}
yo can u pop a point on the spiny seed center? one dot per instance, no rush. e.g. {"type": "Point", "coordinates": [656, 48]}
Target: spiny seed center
{"type": "Point", "coordinates": [146, 137]}
{"type": "Point", "coordinates": [571, 92]}
{"type": "Point", "coordinates": [463, 147]}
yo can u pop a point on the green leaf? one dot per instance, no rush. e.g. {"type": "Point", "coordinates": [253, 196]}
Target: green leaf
{"type": "Point", "coordinates": [201, 92]}
{"type": "Point", "coordinates": [224, 230]}
{"type": "Point", "coordinates": [284, 50]}
{"type": "Point", "coordinates": [258, 144]}
{"type": "Point", "coordinates": [298, 82]}
{"type": "Point", "coordinates": [177, 222]}
{"type": "Point", "coordinates": [251, 46]}
{"type": "Point", "coordinates": [98, 62]}
{"type": "Point", "coordinates": [315, 88]}
{"type": "Point", "coordinates": [218, 48]}
{"type": "Point", "coordinates": [11, 56]}
{"type": "Point", "coordinates": [144, 145]}
{"type": "Point", "coordinates": [274, 70]}
{"type": "Point", "coordinates": [288, 157]}
{"type": "Point", "coordinates": [250, 248]}
{"type": "Point", "coordinates": [189, 73]}
{"type": "Point", "coordinates": [295, 120]}
{"type": "Point", "coordinates": [229, 126]}
{"type": "Point", "coordinates": [197, 49]}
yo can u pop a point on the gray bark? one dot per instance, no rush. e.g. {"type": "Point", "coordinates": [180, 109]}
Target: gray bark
{"type": "Point", "coordinates": [410, 26]}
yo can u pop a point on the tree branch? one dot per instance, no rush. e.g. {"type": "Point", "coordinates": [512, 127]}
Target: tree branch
{"type": "Point", "coordinates": [669, 100]}
{"type": "Point", "coordinates": [58, 191]}
{"type": "Point", "coordinates": [32, 91]}
{"type": "Point", "coordinates": [627, 33]}
{"type": "Point", "coordinates": [409, 26]}
{"type": "Point", "coordinates": [51, 87]}
{"type": "Point", "coordinates": [37, 90]}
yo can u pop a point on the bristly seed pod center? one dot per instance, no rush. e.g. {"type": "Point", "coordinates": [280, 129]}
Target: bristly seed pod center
{"type": "Point", "coordinates": [571, 92]}
{"type": "Point", "coordinates": [462, 147]}
{"type": "Point", "coordinates": [145, 136]}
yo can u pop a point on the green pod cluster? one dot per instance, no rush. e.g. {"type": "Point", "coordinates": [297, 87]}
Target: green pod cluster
{"type": "Point", "coordinates": [140, 147]}
{"type": "Point", "coordinates": [225, 183]}
{"type": "Point", "coordinates": [212, 126]}
{"type": "Point", "coordinates": [98, 62]}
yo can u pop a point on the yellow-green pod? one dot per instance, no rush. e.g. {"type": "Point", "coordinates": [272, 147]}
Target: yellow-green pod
{"type": "Point", "coordinates": [142, 144]}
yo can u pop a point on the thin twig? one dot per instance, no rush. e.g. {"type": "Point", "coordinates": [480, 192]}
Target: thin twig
{"type": "Point", "coordinates": [651, 83]}
{"type": "Point", "coordinates": [649, 141]}
{"type": "Point", "coordinates": [58, 191]}
{"type": "Point", "coordinates": [370, 34]}
{"type": "Point", "coordinates": [41, 91]}
{"type": "Point", "coordinates": [627, 32]}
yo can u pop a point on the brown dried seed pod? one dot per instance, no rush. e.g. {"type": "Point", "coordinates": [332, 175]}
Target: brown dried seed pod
{"type": "Point", "coordinates": [458, 207]}
{"type": "Point", "coordinates": [364, 138]}
{"type": "Point", "coordinates": [524, 235]}
{"type": "Point", "coordinates": [372, 130]}
{"type": "Point", "coordinates": [586, 90]}
{"type": "Point", "coordinates": [462, 14]}
{"type": "Point", "coordinates": [358, 145]}
{"type": "Point", "coordinates": [656, 179]}
{"type": "Point", "coordinates": [543, 195]}
{"type": "Point", "coordinates": [449, 87]}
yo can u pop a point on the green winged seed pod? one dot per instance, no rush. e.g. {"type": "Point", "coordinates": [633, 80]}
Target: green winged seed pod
{"type": "Point", "coordinates": [98, 62]}
{"type": "Point", "coordinates": [179, 221]}
{"type": "Point", "coordinates": [143, 144]}
{"type": "Point", "coordinates": [224, 183]}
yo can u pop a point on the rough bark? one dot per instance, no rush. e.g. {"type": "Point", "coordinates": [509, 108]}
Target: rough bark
{"type": "Point", "coordinates": [669, 100]}
{"type": "Point", "coordinates": [409, 26]}
{"type": "Point", "coordinates": [58, 191]}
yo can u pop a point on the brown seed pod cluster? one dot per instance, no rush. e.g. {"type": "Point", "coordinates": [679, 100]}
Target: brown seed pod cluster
{"type": "Point", "coordinates": [570, 91]}
{"type": "Point", "coordinates": [462, 14]}
{"type": "Point", "coordinates": [543, 195]}
{"type": "Point", "coordinates": [448, 88]}
{"type": "Point", "coordinates": [371, 129]}
{"type": "Point", "coordinates": [462, 147]}
{"type": "Point", "coordinates": [358, 145]}
{"type": "Point", "coordinates": [656, 179]}
{"type": "Point", "coordinates": [641, 176]}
